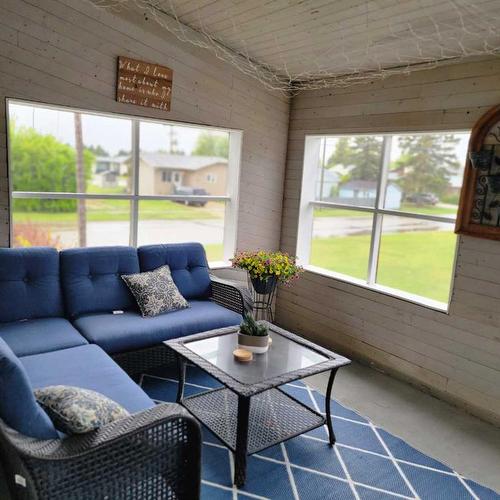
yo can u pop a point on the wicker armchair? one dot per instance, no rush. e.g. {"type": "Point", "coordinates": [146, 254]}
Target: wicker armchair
{"type": "Point", "coordinates": [154, 454]}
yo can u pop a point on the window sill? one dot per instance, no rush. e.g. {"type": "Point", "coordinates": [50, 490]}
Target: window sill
{"type": "Point", "coordinates": [219, 264]}
{"type": "Point", "coordinates": [391, 292]}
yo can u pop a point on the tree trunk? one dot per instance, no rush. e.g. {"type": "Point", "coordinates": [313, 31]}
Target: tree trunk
{"type": "Point", "coordinates": [80, 182]}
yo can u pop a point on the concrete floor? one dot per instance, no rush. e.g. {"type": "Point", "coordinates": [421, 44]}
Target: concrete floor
{"type": "Point", "coordinates": [465, 443]}
{"type": "Point", "coordinates": [444, 432]}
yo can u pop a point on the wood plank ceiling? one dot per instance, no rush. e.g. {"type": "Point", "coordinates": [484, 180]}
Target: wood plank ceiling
{"type": "Point", "coordinates": [310, 38]}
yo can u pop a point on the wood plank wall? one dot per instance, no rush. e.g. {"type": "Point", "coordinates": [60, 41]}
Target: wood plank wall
{"type": "Point", "coordinates": [64, 52]}
{"type": "Point", "coordinates": [455, 355]}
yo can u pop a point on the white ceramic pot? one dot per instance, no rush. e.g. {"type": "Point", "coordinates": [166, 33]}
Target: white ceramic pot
{"type": "Point", "coordinates": [253, 343]}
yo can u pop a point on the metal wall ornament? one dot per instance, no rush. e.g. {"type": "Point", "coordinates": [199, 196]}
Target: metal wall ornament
{"type": "Point", "coordinates": [479, 209]}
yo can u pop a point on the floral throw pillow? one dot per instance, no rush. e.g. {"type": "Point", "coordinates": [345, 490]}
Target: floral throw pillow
{"type": "Point", "coordinates": [155, 291]}
{"type": "Point", "coordinates": [75, 411]}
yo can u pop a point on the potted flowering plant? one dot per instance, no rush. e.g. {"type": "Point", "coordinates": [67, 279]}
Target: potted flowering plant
{"type": "Point", "coordinates": [266, 269]}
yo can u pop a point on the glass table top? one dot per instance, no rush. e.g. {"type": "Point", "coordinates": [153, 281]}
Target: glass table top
{"type": "Point", "coordinates": [284, 356]}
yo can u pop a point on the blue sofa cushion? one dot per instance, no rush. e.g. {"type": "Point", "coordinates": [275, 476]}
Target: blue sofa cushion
{"type": "Point", "coordinates": [129, 331]}
{"type": "Point", "coordinates": [187, 262]}
{"type": "Point", "coordinates": [18, 406]}
{"type": "Point", "coordinates": [88, 367]}
{"type": "Point", "coordinates": [29, 284]}
{"type": "Point", "coordinates": [40, 335]}
{"type": "Point", "coordinates": [91, 279]}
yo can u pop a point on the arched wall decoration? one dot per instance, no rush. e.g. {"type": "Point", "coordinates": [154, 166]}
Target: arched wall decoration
{"type": "Point", "coordinates": [479, 210]}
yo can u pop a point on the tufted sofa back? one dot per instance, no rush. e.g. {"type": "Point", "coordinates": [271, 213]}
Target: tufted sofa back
{"type": "Point", "coordinates": [29, 284]}
{"type": "Point", "coordinates": [188, 264]}
{"type": "Point", "coordinates": [91, 279]}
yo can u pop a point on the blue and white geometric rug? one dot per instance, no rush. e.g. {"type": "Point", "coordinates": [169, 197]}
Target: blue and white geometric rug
{"type": "Point", "coordinates": [367, 463]}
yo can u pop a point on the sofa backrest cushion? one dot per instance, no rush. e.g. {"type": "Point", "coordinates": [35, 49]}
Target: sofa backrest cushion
{"type": "Point", "coordinates": [188, 265]}
{"type": "Point", "coordinates": [29, 284]}
{"type": "Point", "coordinates": [91, 279]}
{"type": "Point", "coordinates": [18, 406]}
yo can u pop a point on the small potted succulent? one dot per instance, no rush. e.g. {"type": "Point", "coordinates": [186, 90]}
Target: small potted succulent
{"type": "Point", "coordinates": [253, 336]}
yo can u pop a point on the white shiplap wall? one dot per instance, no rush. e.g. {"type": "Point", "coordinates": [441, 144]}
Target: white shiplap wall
{"type": "Point", "coordinates": [64, 52]}
{"type": "Point", "coordinates": [455, 355]}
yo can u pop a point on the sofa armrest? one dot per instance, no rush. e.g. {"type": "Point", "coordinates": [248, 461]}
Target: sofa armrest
{"type": "Point", "coordinates": [231, 295]}
{"type": "Point", "coordinates": [152, 454]}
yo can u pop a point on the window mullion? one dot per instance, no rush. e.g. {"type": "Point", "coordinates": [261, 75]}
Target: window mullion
{"type": "Point", "coordinates": [134, 203]}
{"type": "Point", "coordinates": [379, 204]}
{"type": "Point", "coordinates": [374, 247]}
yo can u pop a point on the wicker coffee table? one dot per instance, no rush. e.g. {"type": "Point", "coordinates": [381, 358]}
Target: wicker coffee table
{"type": "Point", "coordinates": [251, 412]}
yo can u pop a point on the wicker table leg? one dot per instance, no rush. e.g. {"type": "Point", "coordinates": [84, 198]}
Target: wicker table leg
{"type": "Point", "coordinates": [181, 364]}
{"type": "Point", "coordinates": [331, 434]}
{"type": "Point", "coordinates": [240, 456]}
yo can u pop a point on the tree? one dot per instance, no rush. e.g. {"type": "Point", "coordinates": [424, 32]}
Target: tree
{"type": "Point", "coordinates": [42, 163]}
{"type": "Point", "coordinates": [97, 150]}
{"type": "Point", "coordinates": [362, 155]}
{"type": "Point", "coordinates": [426, 163]}
{"type": "Point", "coordinates": [208, 144]}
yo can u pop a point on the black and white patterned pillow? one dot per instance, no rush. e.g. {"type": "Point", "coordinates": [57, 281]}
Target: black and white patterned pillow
{"type": "Point", "coordinates": [75, 411]}
{"type": "Point", "coordinates": [155, 291]}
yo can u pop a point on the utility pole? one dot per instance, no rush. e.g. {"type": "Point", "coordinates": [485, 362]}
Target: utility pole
{"type": "Point", "coordinates": [80, 182]}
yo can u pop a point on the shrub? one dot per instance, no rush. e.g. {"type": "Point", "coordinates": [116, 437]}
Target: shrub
{"type": "Point", "coordinates": [41, 163]}
{"type": "Point", "coordinates": [29, 234]}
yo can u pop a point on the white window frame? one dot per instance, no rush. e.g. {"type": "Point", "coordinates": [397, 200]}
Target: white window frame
{"type": "Point", "coordinates": [231, 199]}
{"type": "Point", "coordinates": [312, 154]}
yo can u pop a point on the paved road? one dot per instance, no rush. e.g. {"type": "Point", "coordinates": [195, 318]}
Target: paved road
{"type": "Point", "coordinates": [210, 231]}
{"type": "Point", "coordinates": [150, 231]}
{"type": "Point", "coordinates": [325, 227]}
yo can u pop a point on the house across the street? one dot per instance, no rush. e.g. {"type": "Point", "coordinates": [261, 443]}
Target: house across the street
{"type": "Point", "coordinates": [108, 169]}
{"type": "Point", "coordinates": [163, 173]}
{"type": "Point", "coordinates": [363, 192]}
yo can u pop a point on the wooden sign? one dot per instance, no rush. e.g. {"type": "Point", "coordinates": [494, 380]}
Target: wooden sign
{"type": "Point", "coordinates": [144, 84]}
{"type": "Point", "coordinates": [479, 210]}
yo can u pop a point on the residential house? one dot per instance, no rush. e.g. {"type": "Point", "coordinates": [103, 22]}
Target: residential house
{"type": "Point", "coordinates": [107, 170]}
{"type": "Point", "coordinates": [364, 193]}
{"type": "Point", "coordinates": [326, 183]}
{"type": "Point", "coordinates": [162, 173]}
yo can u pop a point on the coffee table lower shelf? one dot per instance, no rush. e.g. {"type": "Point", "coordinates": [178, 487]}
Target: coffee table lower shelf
{"type": "Point", "coordinates": [274, 417]}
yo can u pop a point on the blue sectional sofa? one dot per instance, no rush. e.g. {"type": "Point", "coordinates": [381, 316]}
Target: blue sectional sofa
{"type": "Point", "coordinates": [67, 318]}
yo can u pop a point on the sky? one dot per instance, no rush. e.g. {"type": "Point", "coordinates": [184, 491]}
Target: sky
{"type": "Point", "coordinates": [113, 134]}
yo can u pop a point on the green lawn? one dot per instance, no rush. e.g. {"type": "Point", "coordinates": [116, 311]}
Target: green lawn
{"type": "Point", "coordinates": [418, 262]}
{"type": "Point", "coordinates": [119, 210]}
{"type": "Point", "coordinates": [406, 207]}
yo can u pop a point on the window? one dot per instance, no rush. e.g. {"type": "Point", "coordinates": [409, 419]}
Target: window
{"type": "Point", "coordinates": [80, 178]}
{"type": "Point", "coordinates": [380, 210]}
{"type": "Point", "coordinates": [211, 178]}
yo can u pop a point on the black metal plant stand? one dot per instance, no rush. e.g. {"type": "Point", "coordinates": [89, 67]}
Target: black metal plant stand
{"type": "Point", "coordinates": [263, 296]}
